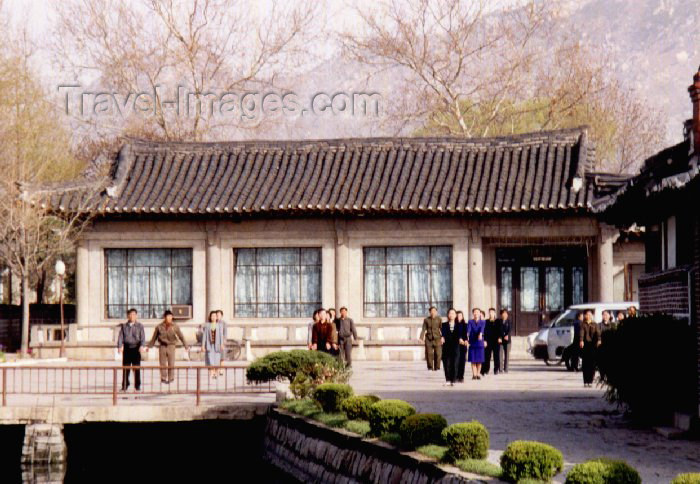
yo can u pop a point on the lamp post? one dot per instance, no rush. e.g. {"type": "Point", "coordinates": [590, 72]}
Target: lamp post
{"type": "Point", "coordinates": [60, 272]}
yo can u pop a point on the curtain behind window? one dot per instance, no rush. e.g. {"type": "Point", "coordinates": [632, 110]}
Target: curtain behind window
{"type": "Point", "coordinates": [277, 282]}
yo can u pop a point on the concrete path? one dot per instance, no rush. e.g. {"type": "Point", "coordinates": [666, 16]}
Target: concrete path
{"type": "Point", "coordinates": [533, 402]}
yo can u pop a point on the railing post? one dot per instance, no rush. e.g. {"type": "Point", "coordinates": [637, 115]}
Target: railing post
{"type": "Point", "coordinates": [114, 386]}
{"type": "Point", "coordinates": [4, 387]}
{"type": "Point", "coordinates": [198, 385]}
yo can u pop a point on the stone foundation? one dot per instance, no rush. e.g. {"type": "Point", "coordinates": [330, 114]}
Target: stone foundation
{"type": "Point", "coordinates": [44, 453]}
{"type": "Point", "coordinates": [311, 452]}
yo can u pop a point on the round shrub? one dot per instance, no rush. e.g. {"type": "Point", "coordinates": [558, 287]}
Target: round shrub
{"type": "Point", "coordinates": [422, 429]}
{"type": "Point", "coordinates": [387, 415]}
{"type": "Point", "coordinates": [525, 459]}
{"type": "Point", "coordinates": [330, 395]}
{"type": "Point", "coordinates": [603, 471]}
{"type": "Point", "coordinates": [687, 478]}
{"type": "Point", "coordinates": [357, 407]}
{"type": "Point", "coordinates": [468, 440]}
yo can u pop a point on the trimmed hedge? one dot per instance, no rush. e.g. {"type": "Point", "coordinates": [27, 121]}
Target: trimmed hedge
{"type": "Point", "coordinates": [603, 471]}
{"type": "Point", "coordinates": [357, 407]}
{"type": "Point", "coordinates": [281, 365]}
{"type": "Point", "coordinates": [467, 440]}
{"type": "Point", "coordinates": [687, 478]}
{"type": "Point", "coordinates": [331, 395]}
{"type": "Point", "coordinates": [524, 459]}
{"type": "Point", "coordinates": [422, 429]}
{"type": "Point", "coordinates": [386, 416]}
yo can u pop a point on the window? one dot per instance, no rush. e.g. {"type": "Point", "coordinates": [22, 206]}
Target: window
{"type": "Point", "coordinates": [529, 289]}
{"type": "Point", "coordinates": [506, 287]}
{"type": "Point", "coordinates": [150, 280]}
{"type": "Point", "coordinates": [406, 281]}
{"type": "Point", "coordinates": [554, 283]}
{"type": "Point", "coordinates": [277, 283]}
{"type": "Point", "coordinates": [577, 285]}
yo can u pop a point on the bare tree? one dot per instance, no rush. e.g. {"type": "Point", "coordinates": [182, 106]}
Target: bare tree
{"type": "Point", "coordinates": [34, 151]}
{"type": "Point", "coordinates": [207, 47]}
{"type": "Point", "coordinates": [477, 68]}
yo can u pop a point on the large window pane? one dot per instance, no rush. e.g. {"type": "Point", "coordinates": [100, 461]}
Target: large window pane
{"type": "Point", "coordinates": [506, 287]}
{"type": "Point", "coordinates": [529, 289]}
{"type": "Point", "coordinates": [577, 285]}
{"type": "Point", "coordinates": [150, 280]}
{"type": "Point", "coordinates": [277, 282]}
{"type": "Point", "coordinates": [554, 278]}
{"type": "Point", "coordinates": [406, 281]}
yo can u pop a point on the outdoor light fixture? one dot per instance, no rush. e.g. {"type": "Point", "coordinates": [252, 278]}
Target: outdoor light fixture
{"type": "Point", "coordinates": [60, 272]}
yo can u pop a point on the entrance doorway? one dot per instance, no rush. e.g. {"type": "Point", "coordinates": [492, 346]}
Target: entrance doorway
{"type": "Point", "coordinates": [537, 283]}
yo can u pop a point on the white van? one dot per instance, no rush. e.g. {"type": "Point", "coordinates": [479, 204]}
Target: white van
{"type": "Point", "coordinates": [560, 333]}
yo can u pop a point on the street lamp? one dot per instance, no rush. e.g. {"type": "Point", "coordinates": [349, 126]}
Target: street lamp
{"type": "Point", "coordinates": [60, 272]}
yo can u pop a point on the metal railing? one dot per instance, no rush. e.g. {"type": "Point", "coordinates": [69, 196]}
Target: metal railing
{"type": "Point", "coordinates": [108, 381]}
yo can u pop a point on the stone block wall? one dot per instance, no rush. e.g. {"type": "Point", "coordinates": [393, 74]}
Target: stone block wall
{"type": "Point", "coordinates": [665, 292]}
{"type": "Point", "coordinates": [311, 452]}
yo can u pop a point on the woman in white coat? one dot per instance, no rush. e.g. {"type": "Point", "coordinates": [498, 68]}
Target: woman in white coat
{"type": "Point", "coordinates": [212, 344]}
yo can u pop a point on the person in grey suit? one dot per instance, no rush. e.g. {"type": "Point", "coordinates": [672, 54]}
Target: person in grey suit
{"type": "Point", "coordinates": [224, 332]}
{"type": "Point", "coordinates": [346, 333]}
{"type": "Point", "coordinates": [213, 344]}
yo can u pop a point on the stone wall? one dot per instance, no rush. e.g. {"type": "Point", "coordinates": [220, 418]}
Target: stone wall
{"type": "Point", "coordinates": [311, 452]}
{"type": "Point", "coordinates": [665, 292]}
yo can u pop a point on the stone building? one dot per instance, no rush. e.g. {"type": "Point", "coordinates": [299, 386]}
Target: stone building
{"type": "Point", "coordinates": [664, 199]}
{"type": "Point", "coordinates": [268, 231]}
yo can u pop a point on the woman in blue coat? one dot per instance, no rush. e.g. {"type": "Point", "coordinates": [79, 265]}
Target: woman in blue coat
{"type": "Point", "coordinates": [475, 339]}
{"type": "Point", "coordinates": [212, 344]}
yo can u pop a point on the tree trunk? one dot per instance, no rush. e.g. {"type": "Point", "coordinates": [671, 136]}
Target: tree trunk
{"type": "Point", "coordinates": [41, 287]}
{"type": "Point", "coordinates": [25, 315]}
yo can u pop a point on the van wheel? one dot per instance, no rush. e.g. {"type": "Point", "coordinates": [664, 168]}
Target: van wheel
{"type": "Point", "coordinates": [549, 362]}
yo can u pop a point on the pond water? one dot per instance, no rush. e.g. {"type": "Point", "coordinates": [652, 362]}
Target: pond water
{"type": "Point", "coordinates": [222, 451]}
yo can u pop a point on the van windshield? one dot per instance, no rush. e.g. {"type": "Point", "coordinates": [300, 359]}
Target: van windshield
{"type": "Point", "coordinates": [566, 318]}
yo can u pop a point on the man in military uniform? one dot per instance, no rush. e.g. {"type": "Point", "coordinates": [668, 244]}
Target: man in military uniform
{"type": "Point", "coordinates": [430, 335]}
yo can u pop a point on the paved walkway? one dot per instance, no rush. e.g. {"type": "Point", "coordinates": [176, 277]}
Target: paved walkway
{"type": "Point", "coordinates": [534, 402]}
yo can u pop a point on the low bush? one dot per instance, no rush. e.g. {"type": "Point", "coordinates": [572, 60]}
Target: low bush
{"type": "Point", "coordinates": [357, 407]}
{"type": "Point", "coordinates": [468, 440]}
{"type": "Point", "coordinates": [305, 370]}
{"type": "Point", "coordinates": [687, 478]}
{"type": "Point", "coordinates": [360, 427]}
{"type": "Point", "coordinates": [524, 459]}
{"type": "Point", "coordinates": [305, 407]}
{"type": "Point", "coordinates": [331, 395]}
{"type": "Point", "coordinates": [479, 466]}
{"type": "Point", "coordinates": [391, 438]}
{"type": "Point", "coordinates": [387, 415]}
{"type": "Point", "coordinates": [422, 429]}
{"type": "Point", "coordinates": [603, 471]}
{"type": "Point", "coordinates": [332, 419]}
{"type": "Point", "coordinates": [431, 450]}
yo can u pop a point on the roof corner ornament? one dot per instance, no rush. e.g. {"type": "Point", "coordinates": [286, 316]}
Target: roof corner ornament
{"type": "Point", "coordinates": [111, 191]}
{"type": "Point", "coordinates": [577, 184]}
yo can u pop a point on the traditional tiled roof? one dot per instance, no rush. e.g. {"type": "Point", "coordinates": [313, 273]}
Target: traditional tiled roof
{"type": "Point", "coordinates": [668, 170]}
{"type": "Point", "coordinates": [532, 172]}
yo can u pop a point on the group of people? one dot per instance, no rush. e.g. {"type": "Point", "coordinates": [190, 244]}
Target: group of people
{"type": "Point", "coordinates": [588, 336]}
{"type": "Point", "coordinates": [331, 334]}
{"type": "Point", "coordinates": [132, 342]}
{"type": "Point", "coordinates": [456, 341]}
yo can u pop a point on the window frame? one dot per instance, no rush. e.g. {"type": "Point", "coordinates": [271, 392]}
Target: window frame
{"type": "Point", "coordinates": [145, 315]}
{"type": "Point", "coordinates": [277, 304]}
{"type": "Point", "coordinates": [430, 265]}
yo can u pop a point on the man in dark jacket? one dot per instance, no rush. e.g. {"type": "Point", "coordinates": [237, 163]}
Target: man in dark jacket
{"type": "Point", "coordinates": [504, 325]}
{"type": "Point", "coordinates": [132, 339]}
{"type": "Point", "coordinates": [346, 333]}
{"type": "Point", "coordinates": [430, 334]}
{"type": "Point", "coordinates": [492, 334]}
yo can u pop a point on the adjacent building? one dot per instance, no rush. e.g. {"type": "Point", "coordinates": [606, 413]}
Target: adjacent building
{"type": "Point", "coordinates": [664, 199]}
{"type": "Point", "coordinates": [268, 231]}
